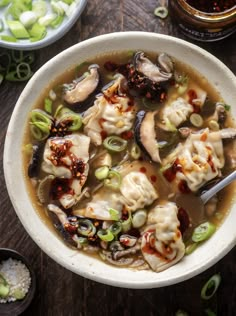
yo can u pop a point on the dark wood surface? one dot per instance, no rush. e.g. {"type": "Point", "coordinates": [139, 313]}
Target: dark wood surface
{"type": "Point", "coordinates": [60, 292]}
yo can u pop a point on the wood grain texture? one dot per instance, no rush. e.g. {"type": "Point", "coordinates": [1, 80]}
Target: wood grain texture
{"type": "Point", "coordinates": [61, 292]}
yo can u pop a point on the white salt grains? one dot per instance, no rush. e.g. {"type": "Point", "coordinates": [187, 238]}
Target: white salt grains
{"type": "Point", "coordinates": [18, 278]}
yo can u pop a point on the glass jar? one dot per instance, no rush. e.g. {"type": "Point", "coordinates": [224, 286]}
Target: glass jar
{"type": "Point", "coordinates": [202, 26]}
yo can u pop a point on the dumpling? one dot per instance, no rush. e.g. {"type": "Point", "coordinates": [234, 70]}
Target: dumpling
{"type": "Point", "coordinates": [111, 113]}
{"type": "Point", "coordinates": [101, 206]}
{"type": "Point", "coordinates": [177, 112]}
{"type": "Point", "coordinates": [137, 191]}
{"type": "Point", "coordinates": [67, 158]}
{"type": "Point", "coordinates": [199, 159]}
{"type": "Point", "coordinates": [162, 245]}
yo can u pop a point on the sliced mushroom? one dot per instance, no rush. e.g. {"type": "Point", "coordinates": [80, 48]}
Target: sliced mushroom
{"type": "Point", "coordinates": [154, 73]}
{"type": "Point", "coordinates": [165, 63]}
{"type": "Point", "coordinates": [44, 188]}
{"type": "Point", "coordinates": [122, 253]}
{"type": "Point", "coordinates": [60, 214]}
{"type": "Point", "coordinates": [35, 162]}
{"type": "Point", "coordinates": [120, 262]}
{"type": "Point", "coordinates": [82, 88]}
{"type": "Point", "coordinates": [145, 134]}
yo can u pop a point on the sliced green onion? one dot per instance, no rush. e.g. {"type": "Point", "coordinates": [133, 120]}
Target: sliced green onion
{"type": "Point", "coordinates": [181, 78]}
{"type": "Point", "coordinates": [170, 126]}
{"type": "Point", "coordinates": [196, 120]}
{"type": "Point", "coordinates": [38, 115]}
{"type": "Point", "coordinates": [37, 133]}
{"type": "Point", "coordinates": [28, 18]}
{"type": "Point", "coordinates": [17, 56]}
{"type": "Point", "coordinates": [161, 12]}
{"type": "Point", "coordinates": [113, 180]}
{"type": "Point", "coordinates": [21, 73]}
{"type": "Point", "coordinates": [47, 19]}
{"type": "Point", "coordinates": [115, 143]}
{"type": "Point", "coordinates": [70, 118]}
{"type": "Point", "coordinates": [57, 7]}
{"type": "Point", "coordinates": [227, 107]}
{"type": "Point", "coordinates": [203, 231]}
{"type": "Point", "coordinates": [4, 287]}
{"type": "Point", "coordinates": [135, 152]}
{"type": "Point", "coordinates": [115, 228]}
{"type": "Point", "coordinates": [86, 228]}
{"type": "Point", "coordinates": [191, 248]}
{"type": "Point", "coordinates": [139, 218]}
{"type": "Point", "coordinates": [57, 21]}
{"type": "Point", "coordinates": [210, 287]}
{"type": "Point", "coordinates": [18, 29]}
{"type": "Point", "coordinates": [126, 225]}
{"type": "Point", "coordinates": [57, 114]}
{"type": "Point", "coordinates": [43, 127]}
{"type": "Point", "coordinates": [39, 8]}
{"type": "Point", "coordinates": [48, 105]}
{"type": "Point", "coordinates": [115, 215]}
{"type": "Point", "coordinates": [8, 38]}
{"type": "Point", "coordinates": [16, 8]}
{"type": "Point", "coordinates": [105, 235]}
{"type": "Point", "coordinates": [4, 2]}
{"type": "Point", "coordinates": [37, 32]}
{"type": "Point", "coordinates": [101, 173]}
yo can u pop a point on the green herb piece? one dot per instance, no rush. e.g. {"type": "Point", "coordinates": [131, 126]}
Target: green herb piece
{"type": "Point", "coordinates": [86, 228]}
{"type": "Point", "coordinates": [115, 143]}
{"type": "Point", "coordinates": [115, 215]}
{"type": "Point", "coordinates": [101, 173]}
{"type": "Point", "coordinates": [18, 29]}
{"type": "Point", "coordinates": [203, 232]}
{"type": "Point", "coordinates": [105, 235]}
{"type": "Point", "coordinates": [113, 180]}
{"type": "Point", "coordinates": [161, 12]}
{"type": "Point", "coordinates": [4, 287]}
{"type": "Point", "coordinates": [210, 287]}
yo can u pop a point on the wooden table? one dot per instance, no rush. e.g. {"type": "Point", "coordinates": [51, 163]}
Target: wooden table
{"type": "Point", "coordinates": [60, 292]}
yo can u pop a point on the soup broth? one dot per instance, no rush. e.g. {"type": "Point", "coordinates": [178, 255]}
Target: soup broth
{"type": "Point", "coordinates": [111, 142]}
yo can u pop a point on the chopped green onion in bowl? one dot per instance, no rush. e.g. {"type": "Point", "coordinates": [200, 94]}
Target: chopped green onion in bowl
{"type": "Point", "coordinates": [36, 23]}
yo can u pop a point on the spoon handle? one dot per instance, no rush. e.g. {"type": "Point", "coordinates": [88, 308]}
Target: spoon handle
{"type": "Point", "coordinates": [219, 186]}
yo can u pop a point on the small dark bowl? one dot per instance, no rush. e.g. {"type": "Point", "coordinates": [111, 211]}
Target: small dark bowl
{"type": "Point", "coordinates": [17, 307]}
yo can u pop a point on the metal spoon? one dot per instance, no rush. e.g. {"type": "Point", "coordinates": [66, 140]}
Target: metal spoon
{"type": "Point", "coordinates": [195, 204]}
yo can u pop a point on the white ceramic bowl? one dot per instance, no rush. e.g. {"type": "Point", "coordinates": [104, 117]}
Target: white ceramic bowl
{"type": "Point", "coordinates": [206, 255]}
{"type": "Point", "coordinates": [53, 34]}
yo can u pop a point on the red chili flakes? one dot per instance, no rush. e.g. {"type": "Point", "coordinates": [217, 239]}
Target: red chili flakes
{"type": "Point", "coordinates": [103, 134]}
{"type": "Point", "coordinates": [127, 135]}
{"type": "Point", "coordinates": [59, 187]}
{"type": "Point", "coordinates": [143, 170]}
{"type": "Point", "coordinates": [153, 178]}
{"type": "Point", "coordinates": [183, 187]}
{"type": "Point", "coordinates": [183, 219]}
{"type": "Point", "coordinates": [70, 228]}
{"type": "Point", "coordinates": [170, 173]}
{"type": "Point", "coordinates": [192, 95]}
{"type": "Point", "coordinates": [211, 6]}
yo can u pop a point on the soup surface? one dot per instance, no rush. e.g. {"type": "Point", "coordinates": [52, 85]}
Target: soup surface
{"type": "Point", "coordinates": [111, 143]}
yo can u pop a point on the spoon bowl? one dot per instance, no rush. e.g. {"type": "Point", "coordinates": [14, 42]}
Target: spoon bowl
{"type": "Point", "coordinates": [194, 204]}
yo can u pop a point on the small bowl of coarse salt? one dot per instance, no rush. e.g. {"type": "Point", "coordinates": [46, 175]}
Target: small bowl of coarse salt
{"type": "Point", "coordinates": [17, 282]}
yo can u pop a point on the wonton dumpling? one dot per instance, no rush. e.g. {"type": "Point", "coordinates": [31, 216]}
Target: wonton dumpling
{"type": "Point", "coordinates": [162, 245]}
{"type": "Point", "coordinates": [111, 113]}
{"type": "Point", "coordinates": [201, 158]}
{"type": "Point", "coordinates": [77, 147]}
{"type": "Point", "coordinates": [137, 191]}
{"type": "Point", "coordinates": [99, 206]}
{"type": "Point", "coordinates": [177, 112]}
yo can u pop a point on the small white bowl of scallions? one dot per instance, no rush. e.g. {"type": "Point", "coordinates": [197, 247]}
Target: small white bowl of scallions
{"type": "Point", "coordinates": [33, 24]}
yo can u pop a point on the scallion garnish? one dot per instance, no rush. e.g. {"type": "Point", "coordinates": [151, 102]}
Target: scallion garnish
{"type": "Point", "coordinates": [203, 232]}
{"type": "Point", "coordinates": [115, 143]}
{"type": "Point", "coordinates": [29, 19]}
{"type": "Point", "coordinates": [210, 287]}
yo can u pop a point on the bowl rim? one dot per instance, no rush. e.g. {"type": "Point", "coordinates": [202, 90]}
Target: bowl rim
{"type": "Point", "coordinates": [187, 273]}
{"type": "Point", "coordinates": [22, 304]}
{"type": "Point", "coordinates": [51, 38]}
